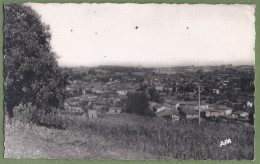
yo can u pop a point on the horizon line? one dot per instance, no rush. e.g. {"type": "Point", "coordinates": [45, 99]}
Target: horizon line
{"type": "Point", "coordinates": [251, 65]}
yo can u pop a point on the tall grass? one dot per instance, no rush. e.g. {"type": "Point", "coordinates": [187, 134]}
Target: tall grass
{"type": "Point", "coordinates": [179, 140]}
{"type": "Point", "coordinates": [156, 136]}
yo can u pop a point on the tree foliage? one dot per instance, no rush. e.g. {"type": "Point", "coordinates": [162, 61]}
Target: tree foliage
{"type": "Point", "coordinates": [31, 71]}
{"type": "Point", "coordinates": [137, 102]}
{"type": "Point", "coordinates": [155, 96]}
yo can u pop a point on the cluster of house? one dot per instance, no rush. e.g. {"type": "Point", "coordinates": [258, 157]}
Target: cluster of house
{"type": "Point", "coordinates": [96, 98]}
{"type": "Point", "coordinates": [99, 95]}
{"type": "Point", "coordinates": [190, 110]}
{"type": "Point", "coordinates": [93, 105]}
{"type": "Point", "coordinates": [107, 96]}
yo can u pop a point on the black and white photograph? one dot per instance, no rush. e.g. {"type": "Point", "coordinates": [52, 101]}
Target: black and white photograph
{"type": "Point", "coordinates": [129, 81]}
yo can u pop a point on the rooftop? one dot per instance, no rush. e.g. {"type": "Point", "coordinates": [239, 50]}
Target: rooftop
{"type": "Point", "coordinates": [192, 103]}
{"type": "Point", "coordinates": [239, 112]}
{"type": "Point", "coordinates": [167, 112]}
{"type": "Point", "coordinates": [214, 110]}
{"type": "Point", "coordinates": [189, 111]}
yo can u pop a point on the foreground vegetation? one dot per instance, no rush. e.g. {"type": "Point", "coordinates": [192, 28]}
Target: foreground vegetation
{"type": "Point", "coordinates": [140, 136]}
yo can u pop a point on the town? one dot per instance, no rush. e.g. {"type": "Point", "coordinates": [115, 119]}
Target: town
{"type": "Point", "coordinates": [218, 93]}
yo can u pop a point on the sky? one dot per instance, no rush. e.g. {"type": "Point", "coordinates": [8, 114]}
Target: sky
{"type": "Point", "coordinates": [150, 34]}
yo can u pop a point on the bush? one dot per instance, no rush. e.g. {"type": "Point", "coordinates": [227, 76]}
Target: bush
{"type": "Point", "coordinates": [28, 113]}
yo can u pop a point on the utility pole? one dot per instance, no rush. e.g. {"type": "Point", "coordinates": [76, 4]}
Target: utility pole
{"type": "Point", "coordinates": [199, 105]}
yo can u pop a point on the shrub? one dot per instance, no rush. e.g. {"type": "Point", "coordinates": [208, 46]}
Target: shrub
{"type": "Point", "coordinates": [28, 113]}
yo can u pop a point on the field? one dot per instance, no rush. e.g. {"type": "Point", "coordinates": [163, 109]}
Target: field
{"type": "Point", "coordinates": [170, 71]}
{"type": "Point", "coordinates": [129, 136]}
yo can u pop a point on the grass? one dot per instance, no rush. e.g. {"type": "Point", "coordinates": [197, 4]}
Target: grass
{"type": "Point", "coordinates": [130, 136]}
{"type": "Point", "coordinates": [180, 140]}
{"type": "Point", "coordinates": [32, 141]}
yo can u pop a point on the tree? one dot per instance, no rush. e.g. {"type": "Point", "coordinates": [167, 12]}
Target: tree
{"type": "Point", "coordinates": [92, 72]}
{"type": "Point", "coordinates": [251, 117]}
{"type": "Point", "coordinates": [31, 71]}
{"type": "Point", "coordinates": [137, 102]}
{"type": "Point", "coordinates": [155, 96]}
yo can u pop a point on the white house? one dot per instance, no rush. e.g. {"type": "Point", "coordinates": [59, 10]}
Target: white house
{"type": "Point", "coordinates": [227, 110]}
{"type": "Point", "coordinates": [194, 105]}
{"type": "Point", "coordinates": [92, 113]}
{"type": "Point", "coordinates": [158, 108]}
{"type": "Point", "coordinates": [216, 91]}
{"type": "Point", "coordinates": [122, 92]}
{"type": "Point", "coordinates": [240, 114]}
{"type": "Point", "coordinates": [159, 87]}
{"type": "Point", "coordinates": [114, 110]}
